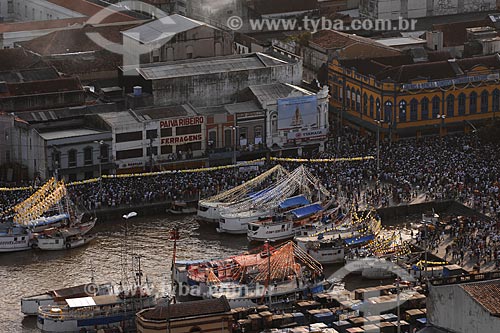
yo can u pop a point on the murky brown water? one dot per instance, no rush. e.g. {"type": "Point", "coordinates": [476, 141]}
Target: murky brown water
{"type": "Point", "coordinates": [31, 272]}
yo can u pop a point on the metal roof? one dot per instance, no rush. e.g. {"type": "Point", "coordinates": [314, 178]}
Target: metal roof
{"type": "Point", "coordinates": [162, 29]}
{"type": "Point", "coordinates": [298, 200]}
{"type": "Point", "coordinates": [206, 66]}
{"type": "Point", "coordinates": [306, 211]}
{"type": "Point", "coordinates": [80, 302]}
{"type": "Point", "coordinates": [69, 133]}
{"type": "Point", "coordinates": [270, 93]}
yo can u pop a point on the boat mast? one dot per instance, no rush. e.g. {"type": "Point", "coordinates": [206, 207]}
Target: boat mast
{"type": "Point", "coordinates": [174, 235]}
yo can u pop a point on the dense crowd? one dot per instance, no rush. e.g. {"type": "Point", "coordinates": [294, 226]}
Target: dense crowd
{"type": "Point", "coordinates": [455, 167]}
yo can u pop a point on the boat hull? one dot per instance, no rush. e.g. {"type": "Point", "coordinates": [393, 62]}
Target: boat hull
{"type": "Point", "coordinates": [238, 223]}
{"type": "Point", "coordinates": [15, 243]}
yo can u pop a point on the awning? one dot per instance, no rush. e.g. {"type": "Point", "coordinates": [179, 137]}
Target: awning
{"type": "Point", "coordinates": [306, 211]}
{"type": "Point", "coordinates": [256, 195]}
{"type": "Point", "coordinates": [298, 200]}
{"type": "Point", "coordinates": [359, 240]}
{"type": "Point", "coordinates": [80, 302]}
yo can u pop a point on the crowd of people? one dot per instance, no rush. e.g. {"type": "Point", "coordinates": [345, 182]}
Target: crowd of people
{"type": "Point", "coordinates": [455, 167]}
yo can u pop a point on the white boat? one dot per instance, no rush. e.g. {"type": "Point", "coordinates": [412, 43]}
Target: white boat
{"type": "Point", "coordinates": [209, 211]}
{"type": "Point", "coordinates": [236, 223]}
{"type": "Point", "coordinates": [46, 222]}
{"type": "Point", "coordinates": [30, 304]}
{"type": "Point", "coordinates": [62, 241]}
{"type": "Point", "coordinates": [14, 238]}
{"type": "Point", "coordinates": [283, 227]}
{"type": "Point", "coordinates": [181, 207]}
{"type": "Point", "coordinates": [94, 313]}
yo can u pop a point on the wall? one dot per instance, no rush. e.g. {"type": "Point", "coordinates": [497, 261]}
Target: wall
{"type": "Point", "coordinates": [467, 315]}
{"type": "Point", "coordinates": [220, 88]}
{"type": "Point", "coordinates": [39, 10]}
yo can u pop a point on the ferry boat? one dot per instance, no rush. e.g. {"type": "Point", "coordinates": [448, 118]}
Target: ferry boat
{"type": "Point", "coordinates": [93, 313]}
{"type": "Point", "coordinates": [30, 304]}
{"type": "Point", "coordinates": [181, 207]}
{"type": "Point", "coordinates": [14, 238]}
{"type": "Point", "coordinates": [268, 276]}
{"type": "Point", "coordinates": [284, 226]}
{"type": "Point", "coordinates": [67, 238]}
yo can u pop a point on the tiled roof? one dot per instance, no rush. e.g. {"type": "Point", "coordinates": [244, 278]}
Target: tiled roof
{"type": "Point", "coordinates": [267, 7]}
{"type": "Point", "coordinates": [26, 75]}
{"type": "Point", "coordinates": [455, 34]}
{"type": "Point", "coordinates": [42, 25]}
{"type": "Point", "coordinates": [486, 294]}
{"type": "Point", "coordinates": [187, 309]}
{"type": "Point", "coordinates": [18, 58]}
{"type": "Point", "coordinates": [41, 87]}
{"type": "Point", "coordinates": [75, 40]}
{"type": "Point", "coordinates": [89, 9]}
{"type": "Point", "coordinates": [330, 39]}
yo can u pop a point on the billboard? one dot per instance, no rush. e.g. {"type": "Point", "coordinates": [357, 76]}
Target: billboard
{"type": "Point", "coordinates": [297, 112]}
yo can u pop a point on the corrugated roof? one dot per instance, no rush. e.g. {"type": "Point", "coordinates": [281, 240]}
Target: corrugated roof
{"type": "Point", "coordinates": [208, 66]}
{"type": "Point", "coordinates": [187, 309]}
{"type": "Point", "coordinates": [270, 93]}
{"type": "Point", "coordinates": [162, 29]}
{"type": "Point", "coordinates": [70, 133]}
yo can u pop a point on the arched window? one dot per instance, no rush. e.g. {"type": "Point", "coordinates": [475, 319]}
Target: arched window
{"type": "Point", "coordinates": [372, 106]}
{"type": "Point", "coordinates": [402, 111]}
{"type": "Point", "coordinates": [353, 99]}
{"type": "Point", "coordinates": [484, 101]}
{"type": "Point", "coordinates": [348, 96]}
{"type": "Point", "coordinates": [388, 111]}
{"type": "Point", "coordinates": [450, 106]}
{"type": "Point", "coordinates": [473, 102]}
{"type": "Point", "coordinates": [495, 100]}
{"type": "Point", "coordinates": [104, 153]}
{"type": "Point", "coordinates": [461, 104]}
{"type": "Point", "coordinates": [358, 101]}
{"type": "Point", "coordinates": [72, 158]}
{"type": "Point", "coordinates": [365, 104]}
{"type": "Point", "coordinates": [377, 105]}
{"type": "Point", "coordinates": [274, 123]}
{"type": "Point", "coordinates": [424, 108]}
{"type": "Point", "coordinates": [436, 106]}
{"type": "Point", "coordinates": [87, 155]}
{"type": "Point", "coordinates": [413, 110]}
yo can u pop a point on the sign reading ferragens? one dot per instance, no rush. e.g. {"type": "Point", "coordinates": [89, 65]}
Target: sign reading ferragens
{"type": "Point", "coordinates": [445, 83]}
{"type": "Point", "coordinates": [177, 123]}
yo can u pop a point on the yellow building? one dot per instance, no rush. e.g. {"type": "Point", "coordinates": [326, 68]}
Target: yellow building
{"type": "Point", "coordinates": [407, 99]}
{"type": "Point", "coordinates": [204, 316]}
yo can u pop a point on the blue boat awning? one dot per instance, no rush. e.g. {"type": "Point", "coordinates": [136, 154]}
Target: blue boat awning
{"type": "Point", "coordinates": [358, 240]}
{"type": "Point", "coordinates": [298, 200]}
{"type": "Point", "coordinates": [258, 194]}
{"type": "Point", "coordinates": [306, 211]}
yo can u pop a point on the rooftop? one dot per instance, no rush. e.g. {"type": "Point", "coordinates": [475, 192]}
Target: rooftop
{"type": "Point", "coordinates": [206, 66]}
{"type": "Point", "coordinates": [41, 87]}
{"type": "Point", "coordinates": [162, 29]}
{"type": "Point", "coordinates": [400, 41]}
{"type": "Point", "coordinates": [42, 25]}
{"type": "Point", "coordinates": [90, 9]}
{"type": "Point", "coordinates": [270, 93]}
{"type": "Point", "coordinates": [18, 58]}
{"type": "Point", "coordinates": [132, 117]}
{"type": "Point", "coordinates": [187, 309]}
{"type": "Point", "coordinates": [69, 133]}
{"type": "Point", "coordinates": [486, 294]}
{"type": "Point", "coordinates": [26, 75]}
{"type": "Point", "coordinates": [455, 33]}
{"type": "Point", "coordinates": [266, 7]}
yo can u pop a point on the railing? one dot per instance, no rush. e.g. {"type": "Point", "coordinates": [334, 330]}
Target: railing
{"type": "Point", "coordinates": [465, 278]}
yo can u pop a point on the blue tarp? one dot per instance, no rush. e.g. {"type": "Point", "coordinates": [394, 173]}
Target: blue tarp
{"type": "Point", "coordinates": [358, 240]}
{"type": "Point", "coordinates": [299, 200]}
{"type": "Point", "coordinates": [306, 211]}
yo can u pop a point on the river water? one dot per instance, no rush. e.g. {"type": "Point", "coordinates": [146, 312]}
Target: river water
{"type": "Point", "coordinates": [32, 272]}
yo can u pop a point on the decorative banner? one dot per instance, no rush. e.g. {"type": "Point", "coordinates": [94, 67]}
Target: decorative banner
{"type": "Point", "coordinates": [323, 160]}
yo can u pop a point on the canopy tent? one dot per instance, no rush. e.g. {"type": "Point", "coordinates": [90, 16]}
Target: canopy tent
{"type": "Point", "coordinates": [298, 200]}
{"type": "Point", "coordinates": [306, 211]}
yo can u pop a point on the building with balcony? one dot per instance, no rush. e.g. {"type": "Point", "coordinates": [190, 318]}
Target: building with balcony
{"type": "Point", "coordinates": [408, 99]}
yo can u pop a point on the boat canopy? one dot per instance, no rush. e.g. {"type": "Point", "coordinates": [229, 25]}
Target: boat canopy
{"type": "Point", "coordinates": [258, 194]}
{"type": "Point", "coordinates": [80, 302]}
{"type": "Point", "coordinates": [359, 240]}
{"type": "Point", "coordinates": [306, 211]}
{"type": "Point", "coordinates": [49, 220]}
{"type": "Point", "coordinates": [298, 200]}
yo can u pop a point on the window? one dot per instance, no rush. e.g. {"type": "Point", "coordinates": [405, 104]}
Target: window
{"type": "Point", "coordinates": [371, 106]}
{"type": "Point", "coordinates": [365, 104]}
{"type": "Point", "coordinates": [353, 99]}
{"type": "Point", "coordinates": [10, 7]}
{"type": "Point", "coordinates": [72, 158]}
{"type": "Point", "coordinates": [166, 150]}
{"type": "Point", "coordinates": [461, 104]}
{"type": "Point", "coordinates": [358, 102]}
{"type": "Point", "coordinates": [212, 139]}
{"type": "Point", "coordinates": [377, 104]}
{"type": "Point", "coordinates": [257, 133]}
{"type": "Point", "coordinates": [56, 159]}
{"type": "Point", "coordinates": [154, 150]}
{"type": "Point", "coordinates": [189, 52]}
{"type": "Point", "coordinates": [87, 156]}
{"type": "Point", "coordinates": [151, 134]}
{"type": "Point", "coordinates": [104, 153]}
{"type": "Point", "coordinates": [402, 111]}
{"type": "Point", "coordinates": [413, 110]}
{"type": "Point", "coordinates": [274, 123]}
{"type": "Point", "coordinates": [131, 136]}
{"type": "Point", "coordinates": [450, 106]}
{"type": "Point", "coordinates": [188, 130]}
{"type": "Point", "coordinates": [473, 102]}
{"type": "Point", "coordinates": [166, 132]}
{"type": "Point", "coordinates": [436, 106]}
{"type": "Point", "coordinates": [424, 108]}
{"type": "Point", "coordinates": [484, 101]}
{"type": "Point", "coordinates": [130, 153]}
{"type": "Point", "coordinates": [348, 96]}
{"type": "Point", "coordinates": [495, 100]}
{"type": "Point", "coordinates": [228, 137]}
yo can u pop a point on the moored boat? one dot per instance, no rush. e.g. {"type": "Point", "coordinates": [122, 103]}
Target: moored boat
{"type": "Point", "coordinates": [14, 238]}
{"type": "Point", "coordinates": [181, 207]}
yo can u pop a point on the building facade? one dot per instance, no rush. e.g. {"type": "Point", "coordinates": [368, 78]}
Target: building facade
{"type": "Point", "coordinates": [394, 9]}
{"type": "Point", "coordinates": [415, 99]}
